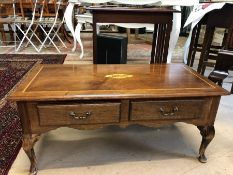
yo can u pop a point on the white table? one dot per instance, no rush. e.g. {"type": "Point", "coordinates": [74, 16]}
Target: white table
{"type": "Point", "coordinates": [176, 18]}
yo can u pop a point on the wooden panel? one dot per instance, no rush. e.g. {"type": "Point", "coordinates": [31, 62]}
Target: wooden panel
{"type": "Point", "coordinates": [51, 114]}
{"type": "Point", "coordinates": [169, 109]}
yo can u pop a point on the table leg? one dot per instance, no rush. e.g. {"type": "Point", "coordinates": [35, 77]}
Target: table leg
{"type": "Point", "coordinates": [207, 133]}
{"type": "Point", "coordinates": [94, 40]}
{"type": "Point", "coordinates": [174, 33]}
{"type": "Point", "coordinates": [69, 23]}
{"type": "Point", "coordinates": [28, 143]}
{"type": "Point", "coordinates": [78, 38]}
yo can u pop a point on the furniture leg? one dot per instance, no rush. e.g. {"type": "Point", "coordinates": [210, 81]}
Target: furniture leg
{"type": "Point", "coordinates": [207, 133]}
{"type": "Point", "coordinates": [11, 36]}
{"type": "Point", "coordinates": [78, 38]}
{"type": "Point", "coordinates": [192, 46]}
{"type": "Point", "coordinates": [69, 23]}
{"type": "Point", "coordinates": [195, 45]}
{"type": "Point", "coordinates": [63, 30]}
{"type": "Point", "coordinates": [48, 38]}
{"type": "Point", "coordinates": [159, 42]}
{"type": "Point", "coordinates": [152, 61]}
{"type": "Point", "coordinates": [3, 34]}
{"type": "Point", "coordinates": [174, 33]}
{"type": "Point", "coordinates": [232, 89]}
{"type": "Point", "coordinates": [209, 33]}
{"type": "Point", "coordinates": [28, 143]}
{"type": "Point", "coordinates": [167, 40]}
{"type": "Point", "coordinates": [65, 33]}
{"type": "Point", "coordinates": [94, 40]}
{"type": "Point", "coordinates": [25, 37]}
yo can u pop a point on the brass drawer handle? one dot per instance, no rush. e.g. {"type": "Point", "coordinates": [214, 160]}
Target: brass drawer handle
{"type": "Point", "coordinates": [81, 117]}
{"type": "Point", "coordinates": [169, 113]}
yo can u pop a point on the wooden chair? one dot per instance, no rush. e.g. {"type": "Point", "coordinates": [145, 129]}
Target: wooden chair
{"type": "Point", "coordinates": [26, 8]}
{"type": "Point", "coordinates": [6, 18]}
{"type": "Point", "coordinates": [222, 18]}
{"type": "Point", "coordinates": [223, 63]}
{"type": "Point", "coordinates": [229, 40]}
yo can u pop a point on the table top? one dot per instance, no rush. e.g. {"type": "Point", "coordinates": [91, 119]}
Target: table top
{"type": "Point", "coordinates": [125, 81]}
{"type": "Point", "coordinates": [132, 9]}
{"type": "Point", "coordinates": [142, 2]}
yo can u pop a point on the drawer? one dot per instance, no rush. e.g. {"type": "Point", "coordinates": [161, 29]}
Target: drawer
{"type": "Point", "coordinates": [170, 109]}
{"type": "Point", "coordinates": [71, 114]}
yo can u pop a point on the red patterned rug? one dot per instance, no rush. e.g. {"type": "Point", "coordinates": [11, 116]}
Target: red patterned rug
{"type": "Point", "coordinates": [13, 67]}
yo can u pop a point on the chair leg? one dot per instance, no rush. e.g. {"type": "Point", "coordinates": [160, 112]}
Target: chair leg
{"type": "Point", "coordinates": [48, 38]}
{"type": "Point", "coordinates": [65, 33]}
{"type": "Point", "coordinates": [11, 33]}
{"type": "Point", "coordinates": [195, 45]}
{"type": "Point", "coordinates": [4, 38]}
{"type": "Point", "coordinates": [25, 37]}
{"type": "Point", "coordinates": [34, 34]}
{"type": "Point", "coordinates": [232, 88]}
{"type": "Point", "coordinates": [55, 34]}
{"type": "Point", "coordinates": [3, 35]}
{"type": "Point", "coordinates": [192, 46]}
{"type": "Point", "coordinates": [203, 69]}
{"type": "Point", "coordinates": [15, 35]}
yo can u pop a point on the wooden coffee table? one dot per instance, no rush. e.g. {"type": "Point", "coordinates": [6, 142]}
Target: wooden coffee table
{"type": "Point", "coordinates": [94, 96]}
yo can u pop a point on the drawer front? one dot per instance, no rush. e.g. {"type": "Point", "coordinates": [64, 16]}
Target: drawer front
{"type": "Point", "coordinates": [170, 109]}
{"type": "Point", "coordinates": [59, 114]}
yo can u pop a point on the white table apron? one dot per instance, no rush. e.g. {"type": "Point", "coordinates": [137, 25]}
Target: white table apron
{"type": "Point", "coordinates": [175, 28]}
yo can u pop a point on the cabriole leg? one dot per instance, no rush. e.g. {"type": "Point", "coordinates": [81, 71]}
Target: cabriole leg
{"type": "Point", "coordinates": [207, 133]}
{"type": "Point", "coordinates": [28, 143]}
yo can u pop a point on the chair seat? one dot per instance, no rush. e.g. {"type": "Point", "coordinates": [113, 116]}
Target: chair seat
{"type": "Point", "coordinates": [48, 21]}
{"type": "Point", "coordinates": [223, 64]}
{"type": "Point", "coordinates": [6, 20]}
{"type": "Point", "coordinates": [21, 21]}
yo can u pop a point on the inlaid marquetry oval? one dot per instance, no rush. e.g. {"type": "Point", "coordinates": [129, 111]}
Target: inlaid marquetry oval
{"type": "Point", "coordinates": [119, 76]}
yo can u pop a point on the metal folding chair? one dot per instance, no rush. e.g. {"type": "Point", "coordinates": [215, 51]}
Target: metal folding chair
{"type": "Point", "coordinates": [29, 32]}
{"type": "Point", "coordinates": [52, 22]}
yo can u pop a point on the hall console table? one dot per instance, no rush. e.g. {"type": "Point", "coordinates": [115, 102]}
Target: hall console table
{"type": "Point", "coordinates": [160, 17]}
{"type": "Point", "coordinates": [95, 96]}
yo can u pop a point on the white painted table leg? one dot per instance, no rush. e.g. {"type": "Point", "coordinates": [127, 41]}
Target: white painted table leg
{"type": "Point", "coordinates": [98, 28]}
{"type": "Point", "coordinates": [174, 33]}
{"type": "Point", "coordinates": [68, 18]}
{"type": "Point", "coordinates": [78, 38]}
